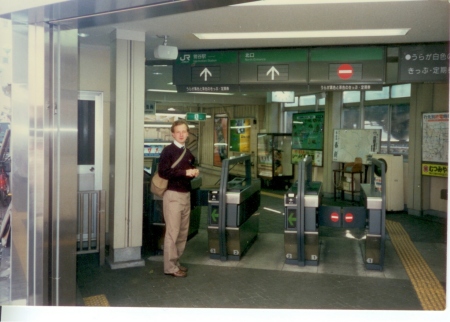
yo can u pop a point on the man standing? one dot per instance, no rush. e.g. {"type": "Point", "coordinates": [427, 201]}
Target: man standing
{"type": "Point", "coordinates": [177, 198]}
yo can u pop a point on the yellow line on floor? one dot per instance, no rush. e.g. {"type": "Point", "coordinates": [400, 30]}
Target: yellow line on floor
{"type": "Point", "coordinates": [96, 300]}
{"type": "Point", "coordinates": [269, 194]}
{"type": "Point", "coordinates": [429, 290]}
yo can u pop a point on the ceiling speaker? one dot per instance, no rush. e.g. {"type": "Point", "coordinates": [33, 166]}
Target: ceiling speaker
{"type": "Point", "coordinates": [166, 52]}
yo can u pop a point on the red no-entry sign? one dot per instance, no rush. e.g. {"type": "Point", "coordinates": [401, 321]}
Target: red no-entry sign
{"type": "Point", "coordinates": [334, 217]}
{"type": "Point", "coordinates": [345, 71]}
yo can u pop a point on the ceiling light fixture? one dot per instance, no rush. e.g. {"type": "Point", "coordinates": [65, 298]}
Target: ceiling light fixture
{"type": "Point", "coordinates": [162, 90]}
{"type": "Point", "coordinates": [305, 34]}
{"type": "Point", "coordinates": [299, 2]}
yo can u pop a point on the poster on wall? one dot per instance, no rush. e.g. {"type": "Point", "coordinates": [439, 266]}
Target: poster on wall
{"type": "Point", "coordinates": [220, 140]}
{"type": "Point", "coordinates": [153, 150]}
{"type": "Point", "coordinates": [435, 137]}
{"type": "Point", "coordinates": [240, 130]}
{"type": "Point", "coordinates": [316, 156]}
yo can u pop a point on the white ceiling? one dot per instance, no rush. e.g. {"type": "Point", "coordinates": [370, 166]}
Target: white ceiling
{"type": "Point", "coordinates": [428, 22]}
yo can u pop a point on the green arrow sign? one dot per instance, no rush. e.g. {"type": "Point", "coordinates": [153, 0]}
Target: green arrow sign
{"type": "Point", "coordinates": [214, 215]}
{"type": "Point", "coordinates": [292, 219]}
{"type": "Point", "coordinates": [195, 116]}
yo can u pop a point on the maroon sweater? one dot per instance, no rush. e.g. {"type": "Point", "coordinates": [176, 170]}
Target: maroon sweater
{"type": "Point", "coordinates": [178, 181]}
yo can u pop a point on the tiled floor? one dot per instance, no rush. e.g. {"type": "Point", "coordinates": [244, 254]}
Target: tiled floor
{"type": "Point", "coordinates": [262, 280]}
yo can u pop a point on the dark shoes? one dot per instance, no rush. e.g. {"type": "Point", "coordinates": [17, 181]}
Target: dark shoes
{"type": "Point", "coordinates": [182, 272]}
{"type": "Point", "coordinates": [178, 273]}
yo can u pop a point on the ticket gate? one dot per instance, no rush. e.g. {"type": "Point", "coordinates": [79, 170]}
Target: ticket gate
{"type": "Point", "coordinates": [301, 234]}
{"type": "Point", "coordinates": [233, 220]}
{"type": "Point", "coordinates": [373, 197]}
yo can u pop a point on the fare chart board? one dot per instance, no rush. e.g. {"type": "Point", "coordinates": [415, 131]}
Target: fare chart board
{"type": "Point", "coordinates": [435, 144]}
{"type": "Point", "coordinates": [351, 144]}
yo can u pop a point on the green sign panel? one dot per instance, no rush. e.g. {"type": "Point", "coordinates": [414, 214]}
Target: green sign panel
{"type": "Point", "coordinates": [206, 71]}
{"type": "Point", "coordinates": [353, 65]}
{"type": "Point", "coordinates": [207, 57]}
{"type": "Point", "coordinates": [273, 56]}
{"type": "Point", "coordinates": [347, 54]}
{"type": "Point", "coordinates": [276, 67]}
{"type": "Point", "coordinates": [195, 116]}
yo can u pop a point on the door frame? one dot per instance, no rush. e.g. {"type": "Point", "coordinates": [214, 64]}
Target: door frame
{"type": "Point", "coordinates": [97, 97]}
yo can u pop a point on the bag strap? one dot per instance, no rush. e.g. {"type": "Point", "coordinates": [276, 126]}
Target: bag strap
{"type": "Point", "coordinates": [179, 159]}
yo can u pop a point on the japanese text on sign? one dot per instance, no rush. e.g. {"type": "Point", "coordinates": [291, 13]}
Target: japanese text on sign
{"type": "Point", "coordinates": [345, 87]}
{"type": "Point", "coordinates": [207, 88]}
{"type": "Point", "coordinates": [424, 63]}
{"type": "Point", "coordinates": [435, 170]}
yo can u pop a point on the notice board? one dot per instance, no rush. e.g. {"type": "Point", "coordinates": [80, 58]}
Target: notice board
{"type": "Point", "coordinates": [435, 137]}
{"type": "Point", "coordinates": [351, 144]}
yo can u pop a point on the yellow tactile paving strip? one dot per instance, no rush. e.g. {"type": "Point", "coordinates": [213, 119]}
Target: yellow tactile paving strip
{"type": "Point", "coordinates": [429, 290]}
{"type": "Point", "coordinates": [96, 300]}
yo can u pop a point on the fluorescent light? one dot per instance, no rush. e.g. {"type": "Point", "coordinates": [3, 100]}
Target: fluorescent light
{"type": "Point", "coordinates": [241, 127]}
{"type": "Point", "coordinates": [158, 125]}
{"type": "Point", "coordinates": [305, 34]}
{"type": "Point", "coordinates": [272, 210]}
{"type": "Point", "coordinates": [299, 2]}
{"type": "Point", "coordinates": [163, 125]}
{"type": "Point", "coordinates": [162, 90]}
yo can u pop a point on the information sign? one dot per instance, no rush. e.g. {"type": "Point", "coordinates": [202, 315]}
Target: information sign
{"type": "Point", "coordinates": [206, 71]}
{"type": "Point", "coordinates": [195, 116]}
{"type": "Point", "coordinates": [423, 63]}
{"type": "Point", "coordinates": [281, 66]}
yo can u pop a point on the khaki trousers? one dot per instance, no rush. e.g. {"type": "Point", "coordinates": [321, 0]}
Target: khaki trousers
{"type": "Point", "coordinates": [177, 209]}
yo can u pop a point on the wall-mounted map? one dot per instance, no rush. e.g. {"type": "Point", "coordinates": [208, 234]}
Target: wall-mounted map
{"type": "Point", "coordinates": [351, 144]}
{"type": "Point", "coordinates": [435, 137]}
{"type": "Point", "coordinates": [307, 131]}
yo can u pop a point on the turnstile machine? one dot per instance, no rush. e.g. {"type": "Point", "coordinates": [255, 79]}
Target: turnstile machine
{"type": "Point", "coordinates": [233, 220]}
{"type": "Point", "coordinates": [373, 197]}
{"type": "Point", "coordinates": [301, 234]}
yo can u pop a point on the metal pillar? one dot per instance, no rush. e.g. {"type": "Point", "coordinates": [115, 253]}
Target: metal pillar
{"type": "Point", "coordinates": [126, 143]}
{"type": "Point", "coordinates": [44, 159]}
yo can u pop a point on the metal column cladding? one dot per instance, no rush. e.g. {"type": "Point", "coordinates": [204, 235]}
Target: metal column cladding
{"type": "Point", "coordinates": [44, 145]}
{"type": "Point", "coordinates": [206, 71]}
{"type": "Point", "coordinates": [356, 65]}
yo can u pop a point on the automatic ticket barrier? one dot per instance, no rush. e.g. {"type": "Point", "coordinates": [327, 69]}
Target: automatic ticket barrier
{"type": "Point", "coordinates": [373, 197]}
{"type": "Point", "coordinates": [301, 234]}
{"type": "Point", "coordinates": [233, 220]}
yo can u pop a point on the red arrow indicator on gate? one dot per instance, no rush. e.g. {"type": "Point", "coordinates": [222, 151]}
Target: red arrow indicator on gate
{"type": "Point", "coordinates": [334, 217]}
{"type": "Point", "coordinates": [348, 217]}
{"type": "Point", "coordinates": [345, 71]}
